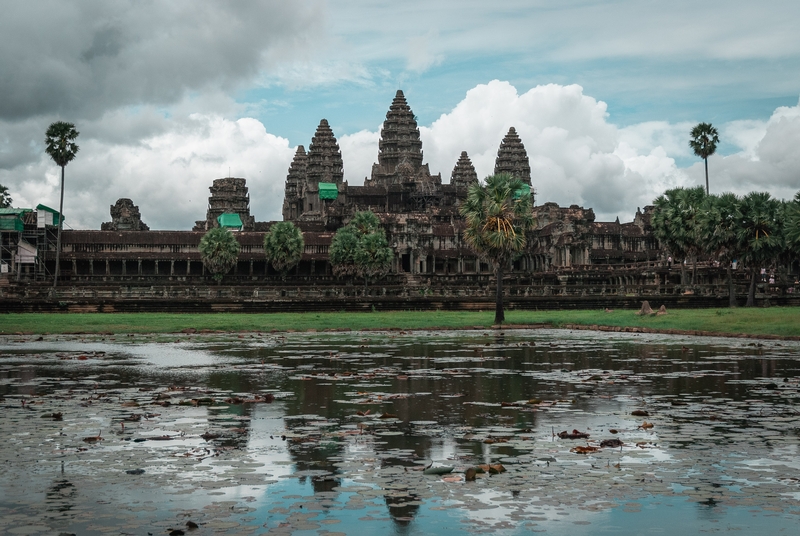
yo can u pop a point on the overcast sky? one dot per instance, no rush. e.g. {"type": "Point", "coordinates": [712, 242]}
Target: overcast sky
{"type": "Point", "coordinates": [169, 96]}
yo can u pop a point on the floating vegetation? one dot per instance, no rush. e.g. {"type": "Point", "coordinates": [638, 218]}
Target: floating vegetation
{"type": "Point", "coordinates": [289, 432]}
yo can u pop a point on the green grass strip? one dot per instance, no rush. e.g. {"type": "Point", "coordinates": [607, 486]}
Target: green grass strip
{"type": "Point", "coordinates": [774, 321]}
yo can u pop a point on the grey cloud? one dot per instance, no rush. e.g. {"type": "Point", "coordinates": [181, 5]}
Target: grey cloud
{"type": "Point", "coordinates": [80, 59]}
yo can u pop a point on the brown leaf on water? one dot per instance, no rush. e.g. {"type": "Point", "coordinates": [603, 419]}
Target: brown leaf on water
{"type": "Point", "coordinates": [640, 413]}
{"type": "Point", "coordinates": [610, 443]}
{"type": "Point", "coordinates": [584, 450]}
{"type": "Point", "coordinates": [469, 474]}
{"type": "Point", "coordinates": [496, 469]}
{"type": "Point", "coordinates": [646, 425]}
{"type": "Point", "coordinates": [388, 416]}
{"type": "Point", "coordinates": [574, 435]}
{"type": "Point", "coordinates": [613, 431]}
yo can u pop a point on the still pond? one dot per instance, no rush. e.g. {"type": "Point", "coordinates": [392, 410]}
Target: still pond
{"type": "Point", "coordinates": [513, 432]}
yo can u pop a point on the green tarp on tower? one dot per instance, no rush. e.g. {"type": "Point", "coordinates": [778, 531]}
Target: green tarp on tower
{"type": "Point", "coordinates": [328, 191]}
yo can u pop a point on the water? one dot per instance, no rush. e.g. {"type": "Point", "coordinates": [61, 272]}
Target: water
{"type": "Point", "coordinates": [331, 433]}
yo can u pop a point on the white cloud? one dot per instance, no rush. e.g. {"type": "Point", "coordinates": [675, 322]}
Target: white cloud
{"type": "Point", "coordinates": [167, 174]}
{"type": "Point", "coordinates": [166, 164]}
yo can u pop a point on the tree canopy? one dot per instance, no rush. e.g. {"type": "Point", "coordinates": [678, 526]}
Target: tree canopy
{"type": "Point", "coordinates": [283, 246]}
{"type": "Point", "coordinates": [60, 142]}
{"type": "Point", "coordinates": [219, 251]}
{"type": "Point", "coordinates": [676, 223]}
{"type": "Point", "coordinates": [704, 140]}
{"type": "Point", "coordinates": [5, 197]}
{"type": "Point", "coordinates": [498, 218]}
{"type": "Point", "coordinates": [360, 248]}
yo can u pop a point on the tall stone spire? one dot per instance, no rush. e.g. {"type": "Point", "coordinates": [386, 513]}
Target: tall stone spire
{"type": "Point", "coordinates": [324, 161]}
{"type": "Point", "coordinates": [295, 181]}
{"type": "Point", "coordinates": [512, 158]}
{"type": "Point", "coordinates": [400, 151]}
{"type": "Point", "coordinates": [464, 173]}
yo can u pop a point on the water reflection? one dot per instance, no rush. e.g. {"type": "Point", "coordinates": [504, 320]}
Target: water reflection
{"type": "Point", "coordinates": [376, 409]}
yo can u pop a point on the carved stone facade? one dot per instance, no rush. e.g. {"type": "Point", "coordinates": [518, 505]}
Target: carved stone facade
{"type": "Point", "coordinates": [125, 216]}
{"type": "Point", "coordinates": [419, 214]}
{"type": "Point", "coordinates": [228, 195]}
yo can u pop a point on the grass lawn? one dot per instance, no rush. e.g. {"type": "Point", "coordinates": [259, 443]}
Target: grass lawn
{"type": "Point", "coordinates": [780, 321]}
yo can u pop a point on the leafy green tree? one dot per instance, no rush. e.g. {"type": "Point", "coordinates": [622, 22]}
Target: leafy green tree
{"type": "Point", "coordinates": [219, 250]}
{"type": "Point", "coordinates": [759, 235]}
{"type": "Point", "coordinates": [675, 225]}
{"type": "Point", "coordinates": [373, 256]}
{"type": "Point", "coordinates": [791, 228]}
{"type": "Point", "coordinates": [704, 143]}
{"type": "Point", "coordinates": [283, 246]}
{"type": "Point", "coordinates": [718, 226]}
{"type": "Point", "coordinates": [343, 250]}
{"type": "Point", "coordinates": [498, 216]}
{"type": "Point", "coordinates": [60, 145]}
{"type": "Point", "coordinates": [5, 197]}
{"type": "Point", "coordinates": [360, 248]}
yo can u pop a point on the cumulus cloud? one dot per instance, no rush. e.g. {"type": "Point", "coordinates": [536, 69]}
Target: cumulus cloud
{"type": "Point", "coordinates": [578, 156]}
{"type": "Point", "coordinates": [167, 174]}
{"type": "Point", "coordinates": [166, 163]}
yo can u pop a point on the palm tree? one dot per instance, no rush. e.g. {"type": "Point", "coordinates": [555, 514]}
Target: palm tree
{"type": "Point", "coordinates": [219, 250]}
{"type": "Point", "coordinates": [675, 225]}
{"type": "Point", "coordinates": [759, 234]}
{"type": "Point", "coordinates": [718, 225]}
{"type": "Point", "coordinates": [498, 216]}
{"type": "Point", "coordinates": [704, 143]}
{"type": "Point", "coordinates": [283, 246]}
{"type": "Point", "coordinates": [792, 224]}
{"type": "Point", "coordinates": [60, 145]}
{"type": "Point", "coordinates": [5, 197]}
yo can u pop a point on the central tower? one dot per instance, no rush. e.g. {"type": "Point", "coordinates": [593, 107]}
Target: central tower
{"type": "Point", "coordinates": [400, 149]}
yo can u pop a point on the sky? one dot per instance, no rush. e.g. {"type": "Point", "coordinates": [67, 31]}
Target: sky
{"type": "Point", "coordinates": [168, 96]}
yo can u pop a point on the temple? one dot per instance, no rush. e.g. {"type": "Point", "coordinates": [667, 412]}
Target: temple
{"type": "Point", "coordinates": [419, 212]}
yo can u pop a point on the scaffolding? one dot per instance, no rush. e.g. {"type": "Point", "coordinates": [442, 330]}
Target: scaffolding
{"type": "Point", "coordinates": [27, 239]}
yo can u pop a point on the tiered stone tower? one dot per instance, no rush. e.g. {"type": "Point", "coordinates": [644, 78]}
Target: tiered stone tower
{"type": "Point", "coordinates": [324, 162]}
{"type": "Point", "coordinates": [400, 149]}
{"type": "Point", "coordinates": [228, 195]}
{"type": "Point", "coordinates": [295, 182]}
{"type": "Point", "coordinates": [125, 216]}
{"type": "Point", "coordinates": [464, 173]}
{"type": "Point", "coordinates": [512, 158]}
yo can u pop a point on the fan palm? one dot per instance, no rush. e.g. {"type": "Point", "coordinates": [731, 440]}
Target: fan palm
{"type": "Point", "coordinates": [5, 197]}
{"type": "Point", "coordinates": [759, 234]}
{"type": "Point", "coordinates": [219, 250]}
{"type": "Point", "coordinates": [60, 145]}
{"type": "Point", "coordinates": [704, 143]}
{"type": "Point", "coordinates": [792, 224]}
{"type": "Point", "coordinates": [498, 216]}
{"type": "Point", "coordinates": [718, 225]}
{"type": "Point", "coordinates": [283, 246]}
{"type": "Point", "coordinates": [675, 224]}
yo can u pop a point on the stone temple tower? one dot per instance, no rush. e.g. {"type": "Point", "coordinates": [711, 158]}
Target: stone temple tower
{"type": "Point", "coordinates": [400, 149]}
{"type": "Point", "coordinates": [512, 158]}
{"type": "Point", "coordinates": [464, 173]}
{"type": "Point", "coordinates": [295, 181]}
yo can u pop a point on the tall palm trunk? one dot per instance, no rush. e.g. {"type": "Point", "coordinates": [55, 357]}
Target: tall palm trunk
{"type": "Point", "coordinates": [683, 274]}
{"type": "Point", "coordinates": [499, 316]}
{"type": "Point", "coordinates": [751, 296]}
{"type": "Point", "coordinates": [731, 291]}
{"type": "Point", "coordinates": [706, 161]}
{"type": "Point", "coordinates": [58, 236]}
